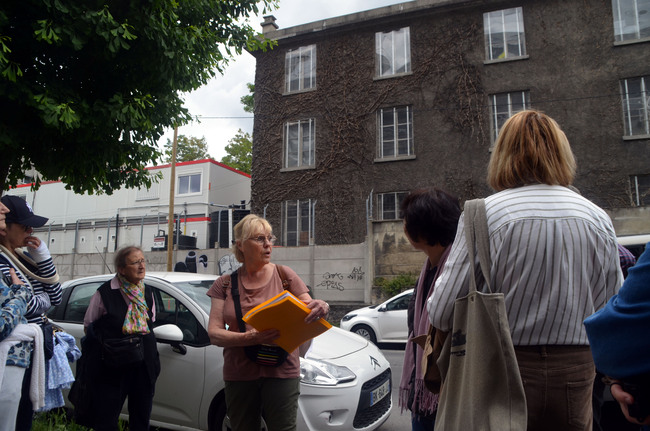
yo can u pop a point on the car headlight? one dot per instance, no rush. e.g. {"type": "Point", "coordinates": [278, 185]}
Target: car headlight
{"type": "Point", "coordinates": [348, 317]}
{"type": "Point", "coordinates": [315, 372]}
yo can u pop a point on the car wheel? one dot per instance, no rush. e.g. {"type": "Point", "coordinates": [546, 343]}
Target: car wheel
{"type": "Point", "coordinates": [366, 332]}
{"type": "Point", "coordinates": [218, 419]}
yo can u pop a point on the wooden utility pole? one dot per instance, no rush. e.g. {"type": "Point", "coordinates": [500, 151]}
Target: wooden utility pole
{"type": "Point", "coordinates": [172, 185]}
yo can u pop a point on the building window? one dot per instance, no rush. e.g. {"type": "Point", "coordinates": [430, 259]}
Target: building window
{"type": "Point", "coordinates": [299, 222]}
{"type": "Point", "coordinates": [299, 144]}
{"type": "Point", "coordinates": [640, 185]}
{"type": "Point", "coordinates": [631, 19]}
{"type": "Point", "coordinates": [300, 69]}
{"type": "Point", "coordinates": [388, 205]}
{"type": "Point", "coordinates": [188, 184]}
{"type": "Point", "coordinates": [636, 99]}
{"type": "Point", "coordinates": [393, 52]}
{"type": "Point", "coordinates": [152, 192]}
{"type": "Point", "coordinates": [395, 132]}
{"type": "Point", "coordinates": [503, 106]}
{"type": "Point", "coordinates": [504, 34]}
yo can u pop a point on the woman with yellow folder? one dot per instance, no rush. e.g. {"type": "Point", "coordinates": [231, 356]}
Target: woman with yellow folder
{"type": "Point", "coordinates": [258, 375]}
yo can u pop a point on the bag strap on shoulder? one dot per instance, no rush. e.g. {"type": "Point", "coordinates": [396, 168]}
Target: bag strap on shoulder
{"type": "Point", "coordinates": [234, 291]}
{"type": "Point", "coordinates": [476, 235]}
{"type": "Point", "coordinates": [283, 276]}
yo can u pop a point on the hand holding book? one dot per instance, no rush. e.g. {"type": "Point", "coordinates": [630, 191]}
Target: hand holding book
{"type": "Point", "coordinates": [319, 309]}
{"type": "Point", "coordinates": [291, 317]}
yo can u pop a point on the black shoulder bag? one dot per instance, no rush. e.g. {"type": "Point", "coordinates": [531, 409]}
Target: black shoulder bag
{"type": "Point", "coordinates": [268, 355]}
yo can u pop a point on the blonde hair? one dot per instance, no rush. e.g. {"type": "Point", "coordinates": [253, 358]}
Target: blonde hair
{"type": "Point", "coordinates": [244, 229]}
{"type": "Point", "coordinates": [531, 149]}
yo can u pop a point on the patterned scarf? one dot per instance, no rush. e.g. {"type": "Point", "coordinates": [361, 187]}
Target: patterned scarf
{"type": "Point", "coordinates": [135, 321]}
{"type": "Point", "coordinates": [424, 402]}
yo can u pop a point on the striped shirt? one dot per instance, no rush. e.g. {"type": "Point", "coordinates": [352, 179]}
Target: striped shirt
{"type": "Point", "coordinates": [45, 295]}
{"type": "Point", "coordinates": [554, 257]}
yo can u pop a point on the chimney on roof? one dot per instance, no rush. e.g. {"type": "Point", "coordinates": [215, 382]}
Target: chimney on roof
{"type": "Point", "coordinates": [269, 24]}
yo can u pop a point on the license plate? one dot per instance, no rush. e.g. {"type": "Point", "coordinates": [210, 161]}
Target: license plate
{"type": "Point", "coordinates": [379, 393]}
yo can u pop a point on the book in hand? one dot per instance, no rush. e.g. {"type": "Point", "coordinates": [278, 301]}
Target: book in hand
{"type": "Point", "coordinates": [287, 314]}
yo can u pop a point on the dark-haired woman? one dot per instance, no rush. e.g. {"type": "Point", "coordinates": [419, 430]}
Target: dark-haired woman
{"type": "Point", "coordinates": [430, 221]}
{"type": "Point", "coordinates": [122, 307]}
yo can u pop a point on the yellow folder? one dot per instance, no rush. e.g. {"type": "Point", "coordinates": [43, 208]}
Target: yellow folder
{"type": "Point", "coordinates": [287, 314]}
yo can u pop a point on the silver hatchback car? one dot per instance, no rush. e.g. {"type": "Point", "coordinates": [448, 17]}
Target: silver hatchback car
{"type": "Point", "coordinates": [345, 381]}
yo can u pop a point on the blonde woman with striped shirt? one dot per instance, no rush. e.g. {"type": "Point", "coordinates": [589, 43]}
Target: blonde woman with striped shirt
{"type": "Point", "coordinates": [555, 259]}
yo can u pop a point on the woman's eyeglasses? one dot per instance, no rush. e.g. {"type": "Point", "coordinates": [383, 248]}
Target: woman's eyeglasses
{"type": "Point", "coordinates": [138, 262]}
{"type": "Point", "coordinates": [262, 239]}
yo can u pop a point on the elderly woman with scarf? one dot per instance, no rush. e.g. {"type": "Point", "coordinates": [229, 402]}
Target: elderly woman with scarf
{"type": "Point", "coordinates": [430, 222]}
{"type": "Point", "coordinates": [123, 307]}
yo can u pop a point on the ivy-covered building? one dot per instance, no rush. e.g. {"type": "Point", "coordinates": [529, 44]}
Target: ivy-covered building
{"type": "Point", "coordinates": [353, 112]}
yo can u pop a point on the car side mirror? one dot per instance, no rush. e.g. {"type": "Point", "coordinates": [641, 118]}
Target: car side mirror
{"type": "Point", "coordinates": [382, 309]}
{"type": "Point", "coordinates": [168, 334]}
{"type": "Point", "coordinates": [172, 335]}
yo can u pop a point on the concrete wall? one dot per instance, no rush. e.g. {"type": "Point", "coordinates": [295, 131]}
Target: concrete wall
{"type": "Point", "coordinates": [335, 273]}
{"type": "Point", "coordinates": [631, 221]}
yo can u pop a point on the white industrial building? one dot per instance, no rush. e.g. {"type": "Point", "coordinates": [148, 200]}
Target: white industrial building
{"type": "Point", "coordinates": [207, 194]}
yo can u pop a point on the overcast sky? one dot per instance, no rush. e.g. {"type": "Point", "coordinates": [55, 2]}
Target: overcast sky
{"type": "Point", "coordinates": [220, 97]}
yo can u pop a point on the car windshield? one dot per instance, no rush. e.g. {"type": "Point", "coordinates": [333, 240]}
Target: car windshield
{"type": "Point", "coordinates": [196, 290]}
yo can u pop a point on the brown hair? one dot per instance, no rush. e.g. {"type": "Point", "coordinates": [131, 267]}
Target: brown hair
{"type": "Point", "coordinates": [243, 231]}
{"type": "Point", "coordinates": [120, 257]}
{"type": "Point", "coordinates": [531, 149]}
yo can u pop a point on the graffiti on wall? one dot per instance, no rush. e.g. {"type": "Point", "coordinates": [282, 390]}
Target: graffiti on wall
{"type": "Point", "coordinates": [336, 280]}
{"type": "Point", "coordinates": [228, 264]}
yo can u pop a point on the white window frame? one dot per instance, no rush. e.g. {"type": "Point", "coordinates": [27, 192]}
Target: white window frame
{"type": "Point", "coordinates": [497, 26]}
{"type": "Point", "coordinates": [396, 198]}
{"type": "Point", "coordinates": [636, 107]}
{"type": "Point", "coordinates": [500, 111]}
{"type": "Point", "coordinates": [393, 45]}
{"type": "Point", "coordinates": [189, 192]}
{"type": "Point", "coordinates": [298, 221]}
{"type": "Point", "coordinates": [296, 156]}
{"type": "Point", "coordinates": [640, 192]}
{"type": "Point", "coordinates": [300, 63]}
{"type": "Point", "coordinates": [397, 126]}
{"type": "Point", "coordinates": [631, 20]}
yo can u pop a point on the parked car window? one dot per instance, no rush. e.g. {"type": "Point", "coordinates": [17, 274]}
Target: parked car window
{"type": "Point", "coordinates": [170, 310]}
{"type": "Point", "coordinates": [401, 303]}
{"type": "Point", "coordinates": [79, 301]}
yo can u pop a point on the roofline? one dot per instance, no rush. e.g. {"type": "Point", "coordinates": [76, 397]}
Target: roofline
{"type": "Point", "coordinates": [191, 162]}
{"type": "Point", "coordinates": [195, 162]}
{"type": "Point", "coordinates": [408, 7]}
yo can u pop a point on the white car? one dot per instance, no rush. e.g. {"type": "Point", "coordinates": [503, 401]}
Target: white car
{"type": "Point", "coordinates": [383, 323]}
{"type": "Point", "coordinates": [345, 381]}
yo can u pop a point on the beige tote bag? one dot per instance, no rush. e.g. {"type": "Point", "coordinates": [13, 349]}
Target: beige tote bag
{"type": "Point", "coordinates": [482, 387]}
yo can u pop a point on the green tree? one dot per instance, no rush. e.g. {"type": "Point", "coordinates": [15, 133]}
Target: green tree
{"type": "Point", "coordinates": [240, 152]}
{"type": "Point", "coordinates": [249, 100]}
{"type": "Point", "coordinates": [187, 148]}
{"type": "Point", "coordinates": [88, 88]}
